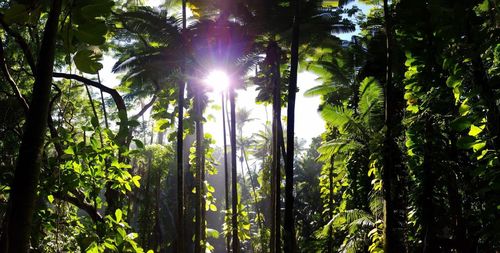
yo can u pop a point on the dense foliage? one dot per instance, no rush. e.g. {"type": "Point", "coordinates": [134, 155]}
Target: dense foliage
{"type": "Point", "coordinates": [409, 160]}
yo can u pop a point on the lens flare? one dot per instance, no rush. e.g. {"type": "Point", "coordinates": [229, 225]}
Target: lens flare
{"type": "Point", "coordinates": [218, 80]}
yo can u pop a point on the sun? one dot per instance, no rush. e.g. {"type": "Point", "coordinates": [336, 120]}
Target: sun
{"type": "Point", "coordinates": [218, 80]}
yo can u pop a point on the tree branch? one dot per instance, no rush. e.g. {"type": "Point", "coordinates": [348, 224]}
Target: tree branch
{"type": "Point", "coordinates": [117, 98]}
{"type": "Point", "coordinates": [145, 108]}
{"type": "Point", "coordinates": [80, 203]}
{"type": "Point", "coordinates": [21, 42]}
{"type": "Point", "coordinates": [50, 123]}
{"type": "Point", "coordinates": [10, 80]}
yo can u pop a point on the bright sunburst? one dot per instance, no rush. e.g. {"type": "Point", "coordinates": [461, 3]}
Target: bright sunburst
{"type": "Point", "coordinates": [218, 80]}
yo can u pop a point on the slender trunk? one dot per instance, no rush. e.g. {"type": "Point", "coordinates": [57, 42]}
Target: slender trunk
{"type": "Point", "coordinates": [330, 203]}
{"type": "Point", "coordinates": [158, 231]}
{"type": "Point", "coordinates": [276, 175]}
{"type": "Point", "coordinates": [236, 241]}
{"type": "Point", "coordinates": [391, 243]}
{"type": "Point", "coordinates": [198, 179]}
{"type": "Point", "coordinates": [103, 104]}
{"type": "Point", "coordinates": [289, 223]}
{"type": "Point", "coordinates": [23, 194]}
{"type": "Point", "coordinates": [203, 203]}
{"type": "Point", "coordinates": [180, 152]}
{"type": "Point", "coordinates": [145, 219]}
{"type": "Point", "coordinates": [226, 169]}
{"type": "Point", "coordinates": [94, 111]}
{"type": "Point", "coordinates": [429, 237]}
{"type": "Point", "coordinates": [253, 184]}
{"type": "Point", "coordinates": [456, 202]}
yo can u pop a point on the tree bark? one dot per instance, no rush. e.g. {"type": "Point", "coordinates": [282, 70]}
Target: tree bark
{"type": "Point", "coordinates": [289, 223]}
{"type": "Point", "coordinates": [276, 171]}
{"type": "Point", "coordinates": [226, 168]}
{"type": "Point", "coordinates": [391, 241]}
{"type": "Point", "coordinates": [198, 179]}
{"type": "Point", "coordinates": [180, 138]}
{"type": "Point", "coordinates": [23, 195]}
{"type": "Point", "coordinates": [429, 235]}
{"type": "Point", "coordinates": [234, 219]}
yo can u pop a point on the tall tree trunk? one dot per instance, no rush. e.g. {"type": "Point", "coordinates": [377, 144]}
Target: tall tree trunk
{"type": "Point", "coordinates": [429, 236]}
{"type": "Point", "coordinates": [289, 223]}
{"type": "Point", "coordinates": [22, 199]}
{"type": "Point", "coordinates": [391, 240]}
{"type": "Point", "coordinates": [199, 178]}
{"type": "Point", "coordinates": [276, 169]}
{"type": "Point", "coordinates": [236, 241]}
{"type": "Point", "coordinates": [330, 203]}
{"type": "Point", "coordinates": [226, 169]}
{"type": "Point", "coordinates": [203, 203]}
{"type": "Point", "coordinates": [160, 235]}
{"type": "Point", "coordinates": [180, 152]}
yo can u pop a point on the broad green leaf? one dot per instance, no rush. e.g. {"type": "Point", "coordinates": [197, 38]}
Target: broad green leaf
{"type": "Point", "coordinates": [50, 198]}
{"type": "Point", "coordinates": [461, 123]}
{"type": "Point", "coordinates": [212, 233]}
{"type": "Point", "coordinates": [466, 142]}
{"type": "Point", "coordinates": [98, 9]}
{"type": "Point", "coordinates": [474, 130]}
{"type": "Point", "coordinates": [136, 181]}
{"type": "Point", "coordinates": [139, 144]}
{"type": "Point", "coordinates": [118, 215]}
{"type": "Point", "coordinates": [69, 151]}
{"type": "Point", "coordinates": [92, 33]}
{"type": "Point", "coordinates": [87, 60]}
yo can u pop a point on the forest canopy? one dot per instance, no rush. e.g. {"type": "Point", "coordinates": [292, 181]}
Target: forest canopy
{"type": "Point", "coordinates": [408, 91]}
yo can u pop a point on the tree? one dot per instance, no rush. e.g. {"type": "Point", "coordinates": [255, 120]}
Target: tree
{"type": "Point", "coordinates": [290, 244]}
{"type": "Point", "coordinates": [22, 199]}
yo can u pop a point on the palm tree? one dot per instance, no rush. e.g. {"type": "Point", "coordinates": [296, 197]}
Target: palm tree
{"type": "Point", "coordinates": [180, 145]}
{"type": "Point", "coordinates": [292, 89]}
{"type": "Point", "coordinates": [148, 66]}
{"type": "Point", "coordinates": [391, 242]}
{"type": "Point", "coordinates": [226, 168]}
{"type": "Point", "coordinates": [358, 132]}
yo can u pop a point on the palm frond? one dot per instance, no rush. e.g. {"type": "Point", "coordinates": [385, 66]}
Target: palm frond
{"type": "Point", "coordinates": [371, 102]}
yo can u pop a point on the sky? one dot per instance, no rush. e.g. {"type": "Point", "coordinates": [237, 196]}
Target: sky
{"type": "Point", "coordinates": [308, 122]}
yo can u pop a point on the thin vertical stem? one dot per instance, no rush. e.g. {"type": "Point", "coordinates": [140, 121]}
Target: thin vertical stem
{"type": "Point", "coordinates": [103, 104]}
{"type": "Point", "coordinates": [236, 241]}
{"type": "Point", "coordinates": [289, 223]}
{"type": "Point", "coordinates": [226, 168]}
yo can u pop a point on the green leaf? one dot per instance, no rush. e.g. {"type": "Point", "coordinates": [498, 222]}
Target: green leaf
{"type": "Point", "coordinates": [139, 144]}
{"type": "Point", "coordinates": [213, 208]}
{"type": "Point", "coordinates": [212, 233]}
{"type": "Point", "coordinates": [461, 123]}
{"type": "Point", "coordinates": [94, 121]}
{"type": "Point", "coordinates": [466, 142]}
{"type": "Point", "coordinates": [99, 9]}
{"type": "Point", "coordinates": [135, 180]}
{"type": "Point", "coordinates": [87, 60]}
{"type": "Point", "coordinates": [69, 151]}
{"type": "Point", "coordinates": [92, 33]}
{"type": "Point", "coordinates": [118, 215]}
{"type": "Point", "coordinates": [474, 130]}
{"type": "Point", "coordinates": [50, 198]}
